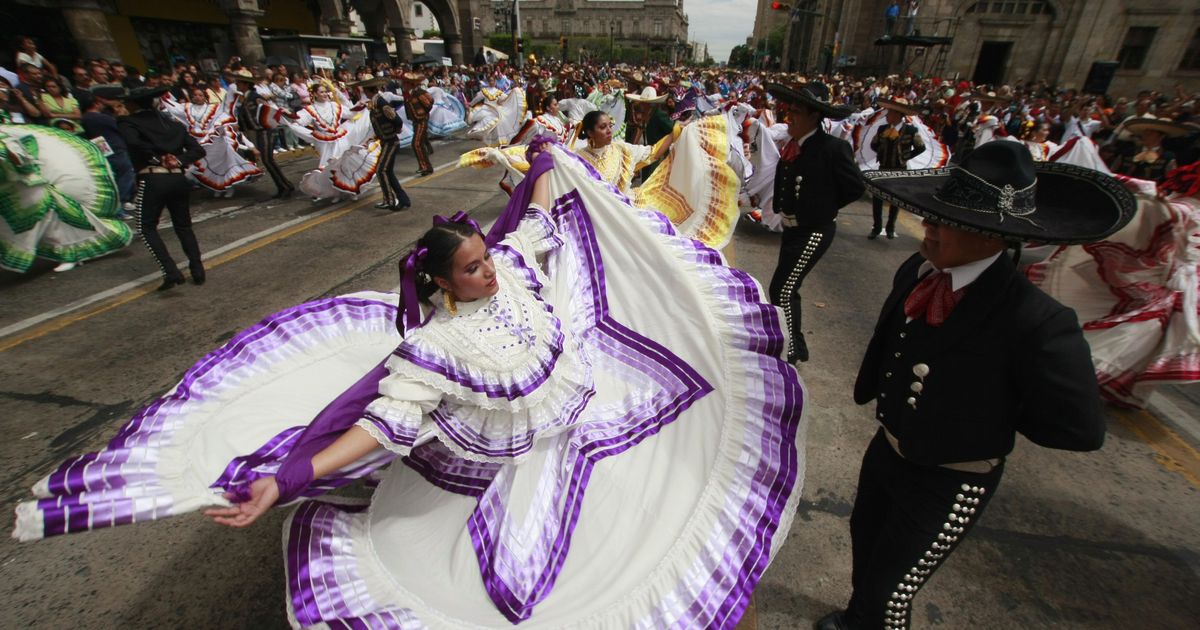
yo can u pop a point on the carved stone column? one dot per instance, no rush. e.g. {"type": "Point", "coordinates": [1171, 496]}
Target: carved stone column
{"type": "Point", "coordinates": [454, 49]}
{"type": "Point", "coordinates": [335, 18]}
{"type": "Point", "coordinates": [85, 19]}
{"type": "Point", "coordinates": [243, 23]}
{"type": "Point", "coordinates": [403, 43]}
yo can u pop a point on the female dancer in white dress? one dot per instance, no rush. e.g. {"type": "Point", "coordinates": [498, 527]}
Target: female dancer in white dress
{"type": "Point", "coordinates": [448, 114]}
{"type": "Point", "coordinates": [495, 115]}
{"type": "Point", "coordinates": [342, 136]}
{"type": "Point", "coordinates": [214, 126]}
{"type": "Point", "coordinates": [570, 454]}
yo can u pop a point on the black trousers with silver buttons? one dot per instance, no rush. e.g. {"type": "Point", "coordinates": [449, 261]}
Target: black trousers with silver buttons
{"type": "Point", "coordinates": [906, 522]}
{"type": "Point", "coordinates": [799, 250]}
{"type": "Point", "coordinates": [172, 191]}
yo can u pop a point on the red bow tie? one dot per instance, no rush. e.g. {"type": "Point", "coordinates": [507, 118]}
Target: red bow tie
{"type": "Point", "coordinates": [933, 298]}
{"type": "Point", "coordinates": [791, 151]}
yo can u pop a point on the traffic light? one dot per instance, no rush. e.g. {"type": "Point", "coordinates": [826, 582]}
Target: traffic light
{"type": "Point", "coordinates": [779, 6]}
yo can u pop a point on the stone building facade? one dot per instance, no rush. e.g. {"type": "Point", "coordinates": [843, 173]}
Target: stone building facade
{"type": "Point", "coordinates": [144, 32]}
{"type": "Point", "coordinates": [660, 25]}
{"type": "Point", "coordinates": [1155, 42]}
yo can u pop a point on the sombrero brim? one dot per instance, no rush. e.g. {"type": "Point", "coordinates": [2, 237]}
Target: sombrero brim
{"type": "Point", "coordinates": [798, 97]}
{"type": "Point", "coordinates": [989, 97]}
{"type": "Point", "coordinates": [1166, 127]}
{"type": "Point", "coordinates": [1074, 204]}
{"type": "Point", "coordinates": [638, 98]}
{"type": "Point", "coordinates": [139, 94]}
{"type": "Point", "coordinates": [903, 108]}
{"type": "Point", "coordinates": [375, 82]}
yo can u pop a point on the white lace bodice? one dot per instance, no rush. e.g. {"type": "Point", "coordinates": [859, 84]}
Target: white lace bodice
{"type": "Point", "coordinates": [492, 377]}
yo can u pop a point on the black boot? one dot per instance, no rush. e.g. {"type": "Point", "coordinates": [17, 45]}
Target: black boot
{"type": "Point", "coordinates": [169, 282]}
{"type": "Point", "coordinates": [833, 621]}
{"type": "Point", "coordinates": [799, 350]}
{"type": "Point", "coordinates": [198, 275]}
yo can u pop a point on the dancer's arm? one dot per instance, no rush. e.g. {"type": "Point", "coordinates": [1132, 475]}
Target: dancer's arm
{"type": "Point", "coordinates": [264, 492]}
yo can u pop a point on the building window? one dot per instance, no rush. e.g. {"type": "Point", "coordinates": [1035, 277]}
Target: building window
{"type": "Point", "coordinates": [1191, 56]}
{"type": "Point", "coordinates": [566, 27]}
{"type": "Point", "coordinates": [546, 29]}
{"type": "Point", "coordinates": [1030, 7]}
{"type": "Point", "coordinates": [1136, 47]}
{"type": "Point", "coordinates": [658, 28]}
{"type": "Point", "coordinates": [418, 10]}
{"type": "Point", "coordinates": [637, 28]}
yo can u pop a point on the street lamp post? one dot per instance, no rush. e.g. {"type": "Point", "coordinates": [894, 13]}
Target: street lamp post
{"type": "Point", "coordinates": [612, 31]}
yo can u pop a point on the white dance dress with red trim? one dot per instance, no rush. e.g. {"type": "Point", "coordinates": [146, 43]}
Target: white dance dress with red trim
{"type": "Point", "coordinates": [349, 153]}
{"type": "Point", "coordinates": [214, 126]}
{"type": "Point", "coordinates": [593, 447]}
{"type": "Point", "coordinates": [1137, 295]}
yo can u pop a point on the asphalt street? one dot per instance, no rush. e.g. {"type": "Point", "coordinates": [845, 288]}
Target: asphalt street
{"type": "Point", "coordinates": [1072, 540]}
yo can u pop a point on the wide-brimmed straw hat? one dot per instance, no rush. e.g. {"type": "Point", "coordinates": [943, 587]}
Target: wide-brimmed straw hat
{"type": "Point", "coordinates": [241, 74]}
{"type": "Point", "coordinates": [648, 95]}
{"type": "Point", "coordinates": [989, 96]}
{"type": "Point", "coordinates": [999, 191]}
{"type": "Point", "coordinates": [898, 104]}
{"type": "Point", "coordinates": [412, 77]}
{"type": "Point", "coordinates": [814, 95]}
{"type": "Point", "coordinates": [1169, 128]}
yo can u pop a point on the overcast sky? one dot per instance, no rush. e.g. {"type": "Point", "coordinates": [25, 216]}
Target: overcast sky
{"type": "Point", "coordinates": [722, 24]}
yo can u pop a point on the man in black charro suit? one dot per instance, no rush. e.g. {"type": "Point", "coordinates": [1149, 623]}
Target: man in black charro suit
{"type": "Point", "coordinates": [966, 354]}
{"type": "Point", "coordinates": [816, 176]}
{"type": "Point", "coordinates": [896, 141]}
{"type": "Point", "coordinates": [161, 149]}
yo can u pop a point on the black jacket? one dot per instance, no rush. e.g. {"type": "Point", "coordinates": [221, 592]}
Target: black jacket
{"type": "Point", "coordinates": [246, 111]}
{"type": "Point", "coordinates": [1009, 359]}
{"type": "Point", "coordinates": [895, 154]}
{"type": "Point", "coordinates": [151, 135]}
{"type": "Point", "coordinates": [819, 182]}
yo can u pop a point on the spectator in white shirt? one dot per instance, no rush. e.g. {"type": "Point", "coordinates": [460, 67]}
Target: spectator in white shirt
{"type": "Point", "coordinates": [27, 53]}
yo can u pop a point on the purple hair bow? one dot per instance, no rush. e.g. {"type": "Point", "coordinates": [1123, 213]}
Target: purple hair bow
{"type": "Point", "coordinates": [410, 305]}
{"type": "Point", "coordinates": [457, 217]}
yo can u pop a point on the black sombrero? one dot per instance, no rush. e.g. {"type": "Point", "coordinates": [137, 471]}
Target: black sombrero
{"type": "Point", "coordinates": [999, 191]}
{"type": "Point", "coordinates": [814, 95]}
{"type": "Point", "coordinates": [143, 93]}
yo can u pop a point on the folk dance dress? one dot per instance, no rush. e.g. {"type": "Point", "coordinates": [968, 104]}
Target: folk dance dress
{"type": "Point", "coordinates": [214, 126]}
{"type": "Point", "coordinates": [349, 153]}
{"type": "Point", "coordinates": [693, 187]}
{"type": "Point", "coordinates": [448, 115]}
{"type": "Point", "coordinates": [58, 199]}
{"type": "Point", "coordinates": [569, 454]}
{"type": "Point", "coordinates": [496, 116]}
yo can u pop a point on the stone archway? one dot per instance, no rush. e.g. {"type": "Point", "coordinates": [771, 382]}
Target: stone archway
{"type": "Point", "coordinates": [392, 16]}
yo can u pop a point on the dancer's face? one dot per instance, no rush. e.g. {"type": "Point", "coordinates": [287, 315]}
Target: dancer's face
{"type": "Point", "coordinates": [602, 134]}
{"type": "Point", "coordinates": [321, 94]}
{"type": "Point", "coordinates": [472, 275]}
{"type": "Point", "coordinates": [197, 97]}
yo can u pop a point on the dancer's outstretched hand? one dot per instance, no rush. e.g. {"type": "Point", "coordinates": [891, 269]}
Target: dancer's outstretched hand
{"type": "Point", "coordinates": [263, 494]}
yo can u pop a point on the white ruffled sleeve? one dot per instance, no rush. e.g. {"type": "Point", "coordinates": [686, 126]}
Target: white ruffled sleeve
{"type": "Point", "coordinates": [395, 418]}
{"type": "Point", "coordinates": [535, 235]}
